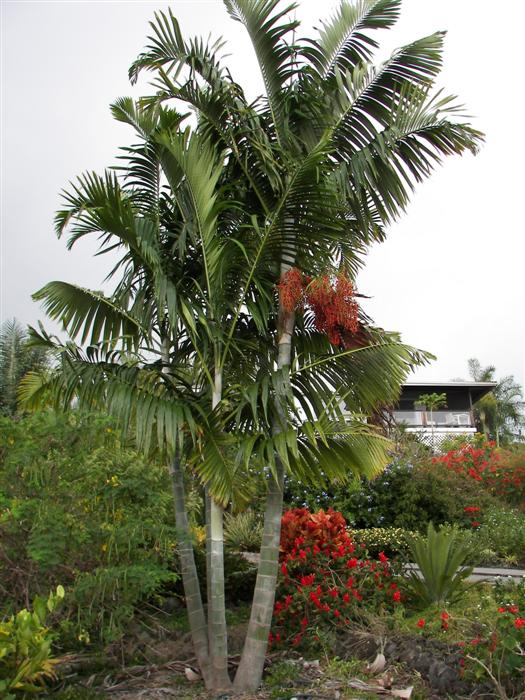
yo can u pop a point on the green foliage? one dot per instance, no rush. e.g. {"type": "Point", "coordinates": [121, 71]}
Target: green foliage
{"type": "Point", "coordinates": [499, 414]}
{"type": "Point", "coordinates": [239, 576]}
{"type": "Point", "coordinates": [390, 540]}
{"type": "Point", "coordinates": [497, 652]}
{"type": "Point", "coordinates": [433, 401]}
{"type": "Point", "coordinates": [79, 507]}
{"type": "Point", "coordinates": [408, 494]}
{"type": "Point", "coordinates": [16, 359]}
{"type": "Point", "coordinates": [281, 676]}
{"type": "Point", "coordinates": [243, 531]}
{"type": "Point", "coordinates": [25, 648]}
{"type": "Point", "coordinates": [440, 557]}
{"type": "Point", "coordinates": [503, 531]}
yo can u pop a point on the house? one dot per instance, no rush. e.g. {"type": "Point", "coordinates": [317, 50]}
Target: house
{"type": "Point", "coordinates": [454, 417]}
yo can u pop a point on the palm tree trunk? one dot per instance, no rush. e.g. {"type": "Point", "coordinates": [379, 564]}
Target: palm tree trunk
{"type": "Point", "coordinates": [249, 673]}
{"type": "Point", "coordinates": [217, 630]}
{"type": "Point", "coordinates": [190, 580]}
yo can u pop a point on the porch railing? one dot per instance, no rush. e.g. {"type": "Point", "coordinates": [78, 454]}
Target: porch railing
{"type": "Point", "coordinates": [436, 419]}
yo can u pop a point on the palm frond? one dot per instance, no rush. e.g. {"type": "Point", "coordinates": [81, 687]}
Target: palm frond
{"type": "Point", "coordinates": [201, 168]}
{"type": "Point", "coordinates": [168, 51]}
{"type": "Point", "coordinates": [368, 97]}
{"type": "Point", "coordinates": [343, 41]}
{"type": "Point", "coordinates": [420, 134]}
{"type": "Point", "coordinates": [90, 315]}
{"type": "Point", "coordinates": [269, 29]}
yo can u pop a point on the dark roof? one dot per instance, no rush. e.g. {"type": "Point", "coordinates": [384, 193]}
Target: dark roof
{"type": "Point", "coordinates": [477, 389]}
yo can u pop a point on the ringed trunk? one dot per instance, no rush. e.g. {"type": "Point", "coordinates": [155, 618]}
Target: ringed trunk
{"type": "Point", "coordinates": [190, 580]}
{"type": "Point", "coordinates": [249, 673]}
{"type": "Point", "coordinates": [217, 630]}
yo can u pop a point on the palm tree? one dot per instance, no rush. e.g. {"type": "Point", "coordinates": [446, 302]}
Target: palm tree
{"type": "Point", "coordinates": [330, 156]}
{"type": "Point", "coordinates": [306, 177]}
{"type": "Point", "coordinates": [500, 411]}
{"type": "Point", "coordinates": [16, 359]}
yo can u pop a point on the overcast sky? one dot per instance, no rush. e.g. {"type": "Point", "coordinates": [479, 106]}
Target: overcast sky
{"type": "Point", "coordinates": [450, 276]}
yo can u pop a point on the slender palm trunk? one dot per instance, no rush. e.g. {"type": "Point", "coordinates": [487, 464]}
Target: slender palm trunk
{"type": "Point", "coordinates": [249, 673]}
{"type": "Point", "coordinates": [190, 580]}
{"type": "Point", "coordinates": [217, 631]}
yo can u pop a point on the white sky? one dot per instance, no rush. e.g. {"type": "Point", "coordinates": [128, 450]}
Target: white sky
{"type": "Point", "coordinates": [450, 276]}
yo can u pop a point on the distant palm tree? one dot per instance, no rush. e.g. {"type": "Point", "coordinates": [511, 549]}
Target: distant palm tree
{"type": "Point", "coordinates": [16, 359]}
{"type": "Point", "coordinates": [500, 412]}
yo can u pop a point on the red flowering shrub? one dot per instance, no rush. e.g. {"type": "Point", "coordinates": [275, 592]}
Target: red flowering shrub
{"type": "Point", "coordinates": [323, 579]}
{"type": "Point", "coordinates": [501, 648]}
{"type": "Point", "coordinates": [500, 472]}
{"type": "Point", "coordinates": [325, 530]}
{"type": "Point", "coordinates": [333, 303]}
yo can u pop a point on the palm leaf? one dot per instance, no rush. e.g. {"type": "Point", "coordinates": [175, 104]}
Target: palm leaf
{"type": "Point", "coordinates": [169, 51]}
{"type": "Point", "coordinates": [90, 315]}
{"type": "Point", "coordinates": [269, 30]}
{"type": "Point", "coordinates": [343, 41]}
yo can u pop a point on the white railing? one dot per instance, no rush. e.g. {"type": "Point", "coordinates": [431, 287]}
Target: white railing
{"type": "Point", "coordinates": [434, 419]}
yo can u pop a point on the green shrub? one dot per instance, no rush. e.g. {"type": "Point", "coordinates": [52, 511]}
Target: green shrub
{"type": "Point", "coordinates": [243, 531]}
{"type": "Point", "coordinates": [25, 648]}
{"type": "Point", "coordinates": [390, 540]}
{"type": "Point", "coordinates": [80, 508]}
{"type": "Point", "coordinates": [497, 653]}
{"type": "Point", "coordinates": [503, 530]}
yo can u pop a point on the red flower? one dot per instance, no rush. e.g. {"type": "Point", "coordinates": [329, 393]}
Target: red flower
{"type": "Point", "coordinates": [284, 570]}
{"type": "Point", "coordinates": [304, 622]}
{"type": "Point", "coordinates": [397, 596]}
{"type": "Point", "coordinates": [471, 509]}
{"type": "Point", "coordinates": [333, 592]}
{"type": "Point", "coordinates": [302, 554]}
{"type": "Point", "coordinates": [445, 616]}
{"type": "Point", "coordinates": [421, 623]}
{"type": "Point", "coordinates": [475, 523]}
{"type": "Point", "coordinates": [382, 557]}
{"type": "Point", "coordinates": [346, 597]}
{"type": "Point", "coordinates": [519, 622]}
{"type": "Point", "coordinates": [337, 613]}
{"type": "Point", "coordinates": [351, 563]}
